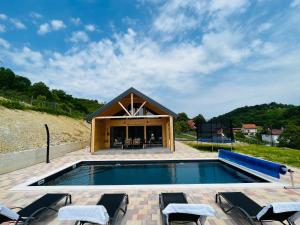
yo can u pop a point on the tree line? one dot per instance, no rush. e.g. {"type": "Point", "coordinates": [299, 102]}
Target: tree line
{"type": "Point", "coordinates": [20, 88]}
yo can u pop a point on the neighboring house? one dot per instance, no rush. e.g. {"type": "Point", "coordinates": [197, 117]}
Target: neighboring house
{"type": "Point", "coordinates": [191, 124]}
{"type": "Point", "coordinates": [249, 129]}
{"type": "Point", "coordinates": [272, 136]}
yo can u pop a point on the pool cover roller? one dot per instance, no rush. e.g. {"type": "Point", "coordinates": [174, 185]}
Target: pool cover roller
{"type": "Point", "coordinates": [260, 165]}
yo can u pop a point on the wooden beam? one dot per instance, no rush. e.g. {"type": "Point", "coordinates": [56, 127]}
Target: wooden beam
{"type": "Point", "coordinates": [172, 144]}
{"type": "Point", "coordinates": [132, 104]}
{"type": "Point", "coordinates": [124, 108]}
{"type": "Point", "coordinates": [131, 117]}
{"type": "Point", "coordinates": [140, 108]}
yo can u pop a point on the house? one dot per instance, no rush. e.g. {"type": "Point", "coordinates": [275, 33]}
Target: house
{"type": "Point", "coordinates": [132, 120]}
{"type": "Point", "coordinates": [249, 129]}
{"type": "Point", "coordinates": [272, 136]}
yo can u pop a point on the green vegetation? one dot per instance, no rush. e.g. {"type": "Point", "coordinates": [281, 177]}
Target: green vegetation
{"type": "Point", "coordinates": [265, 115]}
{"type": "Point", "coordinates": [290, 137]}
{"type": "Point", "coordinates": [19, 93]}
{"type": "Point", "coordinates": [276, 154]}
{"type": "Point", "coordinates": [181, 125]}
{"type": "Point", "coordinates": [190, 136]}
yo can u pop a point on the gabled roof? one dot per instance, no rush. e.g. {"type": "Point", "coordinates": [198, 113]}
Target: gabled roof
{"type": "Point", "coordinates": [249, 126]}
{"type": "Point", "coordinates": [124, 94]}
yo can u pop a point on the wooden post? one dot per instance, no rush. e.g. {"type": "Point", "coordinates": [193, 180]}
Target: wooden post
{"type": "Point", "coordinates": [145, 136]}
{"type": "Point", "coordinates": [172, 144]}
{"type": "Point", "coordinates": [93, 136]}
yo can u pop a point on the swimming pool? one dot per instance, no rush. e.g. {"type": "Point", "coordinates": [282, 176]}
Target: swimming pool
{"type": "Point", "coordinates": [149, 173]}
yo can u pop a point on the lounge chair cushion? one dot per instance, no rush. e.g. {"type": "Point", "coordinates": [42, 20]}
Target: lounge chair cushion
{"type": "Point", "coordinates": [201, 210]}
{"type": "Point", "coordinates": [88, 213]}
{"type": "Point", "coordinates": [281, 207]}
{"type": "Point", "coordinates": [8, 213]}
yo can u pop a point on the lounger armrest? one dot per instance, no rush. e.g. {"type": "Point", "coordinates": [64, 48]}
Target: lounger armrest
{"type": "Point", "coordinates": [17, 208]}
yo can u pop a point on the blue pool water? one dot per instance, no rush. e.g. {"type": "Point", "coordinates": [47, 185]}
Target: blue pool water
{"type": "Point", "coordinates": [143, 173]}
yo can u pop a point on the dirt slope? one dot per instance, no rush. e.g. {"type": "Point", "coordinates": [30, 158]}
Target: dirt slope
{"type": "Point", "coordinates": [22, 130]}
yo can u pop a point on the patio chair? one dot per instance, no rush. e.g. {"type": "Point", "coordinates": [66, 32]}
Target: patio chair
{"type": "Point", "coordinates": [136, 143]}
{"type": "Point", "coordinates": [106, 211]}
{"type": "Point", "coordinates": [33, 210]}
{"type": "Point", "coordinates": [127, 143]}
{"type": "Point", "coordinates": [253, 212]}
{"type": "Point", "coordinates": [175, 208]}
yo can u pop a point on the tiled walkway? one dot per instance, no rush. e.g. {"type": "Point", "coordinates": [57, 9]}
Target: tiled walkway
{"type": "Point", "coordinates": [143, 207]}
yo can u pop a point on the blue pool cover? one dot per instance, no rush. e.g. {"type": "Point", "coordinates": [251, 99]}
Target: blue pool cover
{"type": "Point", "coordinates": [260, 165]}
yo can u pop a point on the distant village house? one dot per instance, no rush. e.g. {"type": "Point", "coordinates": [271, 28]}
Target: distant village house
{"type": "Point", "coordinates": [272, 136]}
{"type": "Point", "coordinates": [249, 129]}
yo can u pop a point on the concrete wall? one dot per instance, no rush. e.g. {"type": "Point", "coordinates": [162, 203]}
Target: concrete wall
{"type": "Point", "coordinates": [17, 160]}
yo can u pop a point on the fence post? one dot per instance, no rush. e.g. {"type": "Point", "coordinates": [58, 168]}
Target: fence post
{"type": "Point", "coordinates": [48, 144]}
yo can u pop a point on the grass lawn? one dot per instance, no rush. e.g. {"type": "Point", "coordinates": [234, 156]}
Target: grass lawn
{"type": "Point", "coordinates": [186, 136]}
{"type": "Point", "coordinates": [276, 154]}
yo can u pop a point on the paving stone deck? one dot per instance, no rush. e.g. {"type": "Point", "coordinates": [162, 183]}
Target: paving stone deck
{"type": "Point", "coordinates": [143, 208]}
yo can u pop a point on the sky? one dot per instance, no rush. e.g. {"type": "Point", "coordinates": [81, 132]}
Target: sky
{"type": "Point", "coordinates": [194, 56]}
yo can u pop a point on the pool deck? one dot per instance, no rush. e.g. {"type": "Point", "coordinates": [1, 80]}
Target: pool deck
{"type": "Point", "coordinates": [143, 206]}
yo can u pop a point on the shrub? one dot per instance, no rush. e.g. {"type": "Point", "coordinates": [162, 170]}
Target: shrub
{"type": "Point", "coordinates": [12, 104]}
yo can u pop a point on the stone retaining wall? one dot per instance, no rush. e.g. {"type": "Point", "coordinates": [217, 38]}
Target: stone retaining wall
{"type": "Point", "coordinates": [18, 160]}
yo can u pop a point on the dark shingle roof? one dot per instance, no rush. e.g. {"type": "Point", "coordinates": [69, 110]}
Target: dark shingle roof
{"type": "Point", "coordinates": [124, 94]}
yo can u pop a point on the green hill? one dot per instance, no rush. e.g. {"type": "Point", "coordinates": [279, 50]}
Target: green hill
{"type": "Point", "coordinates": [265, 115]}
{"type": "Point", "coordinates": [18, 92]}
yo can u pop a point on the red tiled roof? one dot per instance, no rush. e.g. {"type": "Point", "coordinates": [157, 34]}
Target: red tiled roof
{"type": "Point", "coordinates": [249, 126]}
{"type": "Point", "coordinates": [277, 131]}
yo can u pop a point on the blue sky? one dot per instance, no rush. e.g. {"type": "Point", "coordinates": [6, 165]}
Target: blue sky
{"type": "Point", "coordinates": [196, 56]}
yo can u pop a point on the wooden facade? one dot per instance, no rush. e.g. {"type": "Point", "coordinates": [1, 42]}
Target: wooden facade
{"type": "Point", "coordinates": [129, 116]}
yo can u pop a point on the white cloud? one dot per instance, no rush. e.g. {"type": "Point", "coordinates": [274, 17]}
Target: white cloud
{"type": "Point", "coordinates": [184, 15]}
{"type": "Point", "coordinates": [90, 27]}
{"type": "Point", "coordinates": [3, 16]}
{"type": "Point", "coordinates": [35, 15]}
{"type": "Point", "coordinates": [132, 60]}
{"type": "Point", "coordinates": [225, 65]}
{"type": "Point", "coordinates": [2, 28]}
{"type": "Point", "coordinates": [4, 43]}
{"type": "Point", "coordinates": [264, 27]}
{"type": "Point", "coordinates": [79, 36]}
{"type": "Point", "coordinates": [57, 24]}
{"type": "Point", "coordinates": [18, 24]}
{"type": "Point", "coordinates": [76, 21]}
{"type": "Point", "coordinates": [44, 28]}
{"type": "Point", "coordinates": [54, 25]}
{"type": "Point", "coordinates": [295, 3]}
